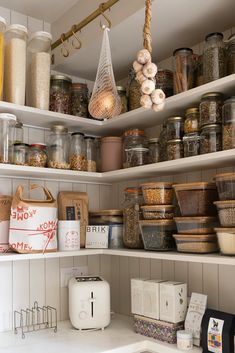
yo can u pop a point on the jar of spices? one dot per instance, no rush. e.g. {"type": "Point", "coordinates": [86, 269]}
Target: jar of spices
{"type": "Point", "coordinates": [131, 216]}
{"type": "Point", "coordinates": [79, 100]}
{"type": "Point", "coordinates": [191, 145]}
{"type": "Point", "coordinates": [229, 124]}
{"type": "Point", "coordinates": [20, 153]}
{"type": "Point", "coordinates": [58, 150]}
{"type": "Point", "coordinates": [231, 55]}
{"type": "Point", "coordinates": [134, 92]}
{"type": "Point", "coordinates": [183, 69]}
{"type": "Point", "coordinates": [154, 150]}
{"type": "Point", "coordinates": [7, 132]}
{"type": "Point", "coordinates": [163, 143]}
{"type": "Point", "coordinates": [77, 153]}
{"type": "Point", "coordinates": [164, 81]}
{"type": "Point", "coordinates": [211, 108]}
{"type": "Point", "coordinates": [175, 149]}
{"type": "Point", "coordinates": [133, 138]}
{"type": "Point", "coordinates": [37, 155]}
{"type": "Point", "coordinates": [214, 64]}
{"type": "Point", "coordinates": [191, 123]}
{"type": "Point", "coordinates": [2, 30]}
{"type": "Point", "coordinates": [60, 94]}
{"type": "Point", "coordinates": [90, 153]}
{"type": "Point", "coordinates": [122, 94]}
{"type": "Point", "coordinates": [111, 153]}
{"type": "Point", "coordinates": [19, 133]}
{"type": "Point", "coordinates": [175, 127]}
{"type": "Point", "coordinates": [211, 138]}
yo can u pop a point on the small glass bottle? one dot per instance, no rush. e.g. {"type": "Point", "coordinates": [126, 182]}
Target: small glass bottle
{"type": "Point", "coordinates": [183, 69]}
{"type": "Point", "coordinates": [211, 108]}
{"type": "Point", "coordinates": [58, 150]}
{"type": "Point", "coordinates": [77, 153]}
{"type": "Point", "coordinates": [20, 154]}
{"type": "Point", "coordinates": [134, 92]}
{"type": "Point", "coordinates": [37, 155]}
{"type": "Point", "coordinates": [211, 138]}
{"type": "Point", "coordinates": [175, 127]}
{"type": "Point", "coordinates": [91, 153]}
{"type": "Point", "coordinates": [154, 150]}
{"type": "Point", "coordinates": [79, 100]}
{"type": "Point", "coordinates": [191, 145]}
{"type": "Point", "coordinates": [229, 124]}
{"type": "Point", "coordinates": [19, 133]}
{"type": "Point", "coordinates": [175, 149]}
{"type": "Point", "coordinates": [231, 54]}
{"type": "Point", "coordinates": [122, 94]}
{"type": "Point", "coordinates": [60, 94]}
{"type": "Point", "coordinates": [191, 123]}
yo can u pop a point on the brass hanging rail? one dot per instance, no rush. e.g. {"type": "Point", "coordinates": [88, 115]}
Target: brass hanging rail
{"type": "Point", "coordinates": [75, 28]}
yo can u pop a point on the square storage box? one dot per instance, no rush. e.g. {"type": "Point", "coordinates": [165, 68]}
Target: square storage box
{"type": "Point", "coordinates": [173, 301]}
{"type": "Point", "coordinates": [137, 285]}
{"type": "Point", "coordinates": [151, 298]}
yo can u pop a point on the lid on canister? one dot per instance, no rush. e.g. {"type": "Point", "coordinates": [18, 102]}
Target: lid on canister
{"type": "Point", "coordinates": [121, 89]}
{"type": "Point", "coordinates": [212, 94]}
{"type": "Point", "coordinates": [59, 128]}
{"type": "Point", "coordinates": [2, 24]}
{"type": "Point", "coordinates": [111, 139]}
{"type": "Point", "coordinates": [214, 34]}
{"type": "Point", "coordinates": [192, 137]}
{"type": "Point", "coordinates": [174, 140]}
{"type": "Point", "coordinates": [7, 116]}
{"type": "Point", "coordinates": [212, 126]}
{"type": "Point", "coordinates": [153, 140]}
{"type": "Point", "coordinates": [133, 190]}
{"type": "Point", "coordinates": [192, 110]}
{"type": "Point", "coordinates": [21, 144]}
{"type": "Point", "coordinates": [174, 118]}
{"type": "Point", "coordinates": [61, 78]}
{"type": "Point", "coordinates": [89, 138]}
{"type": "Point", "coordinates": [79, 86]}
{"type": "Point", "coordinates": [157, 185]}
{"type": "Point", "coordinates": [184, 334]}
{"type": "Point", "coordinates": [195, 186]}
{"type": "Point", "coordinates": [183, 50]}
{"type": "Point", "coordinates": [134, 132]}
{"type": "Point", "coordinates": [17, 28]}
{"type": "Point", "coordinates": [38, 145]}
{"type": "Point", "coordinates": [77, 133]}
{"type": "Point", "coordinates": [231, 38]}
{"type": "Point", "coordinates": [41, 35]}
{"type": "Point", "coordinates": [40, 41]}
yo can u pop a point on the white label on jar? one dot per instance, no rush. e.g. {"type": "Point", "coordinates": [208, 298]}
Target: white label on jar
{"type": "Point", "coordinates": [214, 335]}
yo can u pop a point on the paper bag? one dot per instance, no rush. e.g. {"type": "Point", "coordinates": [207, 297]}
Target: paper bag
{"type": "Point", "coordinates": [5, 211]}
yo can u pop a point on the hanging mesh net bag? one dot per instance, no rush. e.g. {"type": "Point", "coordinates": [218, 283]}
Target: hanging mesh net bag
{"type": "Point", "coordinates": [105, 102]}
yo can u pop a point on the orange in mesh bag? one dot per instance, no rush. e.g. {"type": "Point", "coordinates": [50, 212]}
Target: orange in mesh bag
{"type": "Point", "coordinates": [33, 223]}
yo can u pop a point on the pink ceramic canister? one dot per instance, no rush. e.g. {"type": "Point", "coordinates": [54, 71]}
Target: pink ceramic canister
{"type": "Point", "coordinates": [111, 153]}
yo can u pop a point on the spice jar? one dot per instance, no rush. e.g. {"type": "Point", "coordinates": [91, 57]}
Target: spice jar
{"type": "Point", "coordinates": [58, 151]}
{"type": "Point", "coordinates": [134, 92]}
{"type": "Point", "coordinates": [231, 55]}
{"type": "Point", "coordinates": [20, 154]}
{"type": "Point", "coordinates": [175, 127]}
{"type": "Point", "coordinates": [15, 63]}
{"type": "Point", "coordinates": [228, 113]}
{"type": "Point", "coordinates": [163, 143]}
{"type": "Point", "coordinates": [37, 155]}
{"type": "Point", "coordinates": [183, 69]}
{"type": "Point", "coordinates": [214, 64]}
{"type": "Point", "coordinates": [191, 145]}
{"type": "Point", "coordinates": [2, 30]}
{"type": "Point", "coordinates": [174, 149]}
{"type": "Point", "coordinates": [90, 153]}
{"type": "Point", "coordinates": [111, 153]}
{"type": "Point", "coordinates": [7, 131]}
{"type": "Point", "coordinates": [211, 139]}
{"type": "Point", "coordinates": [191, 123]}
{"type": "Point", "coordinates": [164, 81]}
{"type": "Point", "coordinates": [19, 133]}
{"type": "Point", "coordinates": [131, 216]}
{"type": "Point", "coordinates": [211, 108]}
{"type": "Point", "coordinates": [79, 100]}
{"type": "Point", "coordinates": [154, 150]}
{"type": "Point", "coordinates": [60, 94]}
{"type": "Point", "coordinates": [122, 94]}
{"type": "Point", "coordinates": [77, 154]}
{"type": "Point", "coordinates": [133, 139]}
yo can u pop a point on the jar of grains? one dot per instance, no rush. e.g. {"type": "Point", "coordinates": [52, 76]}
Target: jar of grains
{"type": "Point", "coordinates": [191, 123]}
{"type": "Point", "coordinates": [19, 133]}
{"type": "Point", "coordinates": [164, 81]}
{"type": "Point", "coordinates": [231, 55]}
{"type": "Point", "coordinates": [58, 150]}
{"type": "Point", "coordinates": [175, 127]}
{"type": "Point", "coordinates": [2, 30]}
{"type": "Point", "coordinates": [214, 63]}
{"type": "Point", "coordinates": [134, 92]}
{"type": "Point", "coordinates": [37, 155]}
{"type": "Point", "coordinates": [91, 153]}
{"type": "Point", "coordinates": [133, 138]}
{"type": "Point", "coordinates": [77, 153]}
{"type": "Point", "coordinates": [154, 150]}
{"type": "Point", "coordinates": [122, 94]}
{"type": "Point", "coordinates": [211, 138]}
{"type": "Point", "coordinates": [15, 63]}
{"type": "Point", "coordinates": [191, 145]}
{"type": "Point", "coordinates": [60, 94]}
{"type": "Point", "coordinates": [229, 124]}
{"type": "Point", "coordinates": [211, 108]}
{"type": "Point", "coordinates": [163, 143]}
{"type": "Point", "coordinates": [79, 100]}
{"type": "Point", "coordinates": [183, 69]}
{"type": "Point", "coordinates": [20, 153]}
{"type": "Point", "coordinates": [175, 149]}
{"type": "Point", "coordinates": [7, 133]}
{"type": "Point", "coordinates": [131, 216]}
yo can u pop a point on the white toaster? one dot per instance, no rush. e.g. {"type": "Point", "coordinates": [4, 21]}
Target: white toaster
{"type": "Point", "coordinates": [89, 302]}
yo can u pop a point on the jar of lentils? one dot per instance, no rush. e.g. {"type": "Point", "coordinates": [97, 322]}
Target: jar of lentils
{"type": "Point", "coordinates": [191, 145]}
{"type": "Point", "coordinates": [58, 151]}
{"type": "Point", "coordinates": [60, 94]}
{"type": "Point", "coordinates": [175, 149]}
{"type": "Point", "coordinates": [175, 127]}
{"type": "Point", "coordinates": [191, 123]}
{"type": "Point", "coordinates": [77, 154]}
{"type": "Point", "coordinates": [211, 138]}
{"type": "Point", "coordinates": [164, 81]}
{"type": "Point", "coordinates": [229, 124]}
{"type": "Point", "coordinates": [154, 150]}
{"type": "Point", "coordinates": [79, 100]}
{"type": "Point", "coordinates": [122, 94]}
{"type": "Point", "coordinates": [231, 55]}
{"type": "Point", "coordinates": [91, 153]}
{"type": "Point", "coordinates": [134, 92]}
{"type": "Point", "coordinates": [211, 108]}
{"type": "Point", "coordinates": [38, 155]}
{"type": "Point", "coordinates": [134, 139]}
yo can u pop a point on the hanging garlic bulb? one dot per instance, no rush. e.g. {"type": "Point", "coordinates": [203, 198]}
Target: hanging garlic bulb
{"type": "Point", "coordinates": [158, 107]}
{"type": "Point", "coordinates": [150, 70]}
{"type": "Point", "coordinates": [137, 66]}
{"type": "Point", "coordinates": [143, 56]}
{"type": "Point", "coordinates": [140, 77]}
{"type": "Point", "coordinates": [147, 87]}
{"type": "Point", "coordinates": [158, 96]}
{"type": "Point", "coordinates": [146, 101]}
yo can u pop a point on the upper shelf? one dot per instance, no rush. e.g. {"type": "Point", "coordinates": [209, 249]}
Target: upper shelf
{"type": "Point", "coordinates": [140, 118]}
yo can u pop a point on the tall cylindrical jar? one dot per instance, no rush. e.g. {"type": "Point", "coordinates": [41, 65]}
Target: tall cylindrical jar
{"type": "Point", "coordinates": [79, 100]}
{"type": "Point", "coordinates": [7, 131]}
{"type": "Point", "coordinates": [91, 153]}
{"type": "Point", "coordinates": [231, 55]}
{"type": "Point", "coordinates": [15, 63]}
{"type": "Point", "coordinates": [38, 75]}
{"type": "Point", "coordinates": [2, 30]}
{"type": "Point", "coordinates": [111, 153]}
{"type": "Point", "coordinates": [60, 94]}
{"type": "Point", "coordinates": [134, 92]}
{"type": "Point", "coordinates": [77, 153]}
{"type": "Point", "coordinates": [58, 150]}
{"type": "Point", "coordinates": [183, 69]}
{"type": "Point", "coordinates": [229, 124]}
{"type": "Point", "coordinates": [19, 133]}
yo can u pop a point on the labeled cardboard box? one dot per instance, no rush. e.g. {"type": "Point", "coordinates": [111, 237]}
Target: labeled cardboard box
{"type": "Point", "coordinates": [173, 301]}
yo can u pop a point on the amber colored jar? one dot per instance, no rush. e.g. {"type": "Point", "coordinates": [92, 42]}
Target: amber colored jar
{"type": "Point", "coordinates": [111, 153]}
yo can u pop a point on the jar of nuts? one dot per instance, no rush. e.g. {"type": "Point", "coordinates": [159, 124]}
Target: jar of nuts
{"type": "Point", "coordinates": [58, 151]}
{"type": "Point", "coordinates": [211, 138]}
{"type": "Point", "coordinates": [175, 127]}
{"type": "Point", "coordinates": [174, 149]}
{"type": "Point", "coordinates": [77, 154]}
{"type": "Point", "coordinates": [191, 123]}
{"type": "Point", "coordinates": [37, 155]}
{"type": "Point", "coordinates": [211, 108]}
{"type": "Point", "coordinates": [91, 153]}
{"type": "Point", "coordinates": [229, 124]}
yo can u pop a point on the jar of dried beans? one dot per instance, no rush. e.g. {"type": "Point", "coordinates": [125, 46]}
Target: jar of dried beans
{"type": "Point", "coordinates": [229, 124]}
{"type": "Point", "coordinates": [91, 153]}
{"type": "Point", "coordinates": [231, 55]}
{"type": "Point", "coordinates": [60, 94]}
{"type": "Point", "coordinates": [191, 123]}
{"type": "Point", "coordinates": [175, 127]}
{"type": "Point", "coordinates": [211, 108]}
{"type": "Point", "coordinates": [37, 155]}
{"type": "Point", "coordinates": [77, 153]}
{"type": "Point", "coordinates": [183, 69]}
{"type": "Point", "coordinates": [211, 138]}
{"type": "Point", "coordinates": [79, 101]}
{"type": "Point", "coordinates": [134, 92]}
{"type": "Point", "coordinates": [174, 149]}
{"type": "Point", "coordinates": [58, 150]}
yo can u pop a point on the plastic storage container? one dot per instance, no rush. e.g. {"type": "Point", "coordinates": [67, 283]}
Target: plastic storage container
{"type": "Point", "coordinates": [196, 199]}
{"type": "Point", "coordinates": [60, 94]}
{"type": "Point", "coordinates": [37, 155]}
{"type": "Point", "coordinates": [196, 225]}
{"type": "Point", "coordinates": [77, 152]}
{"type": "Point", "coordinates": [7, 132]}
{"type": "Point", "coordinates": [191, 144]}
{"type": "Point", "coordinates": [164, 81]}
{"type": "Point", "coordinates": [135, 151]}
{"type": "Point", "coordinates": [211, 138]}
{"type": "Point", "coordinates": [175, 127]}
{"type": "Point", "coordinates": [154, 150]}
{"type": "Point", "coordinates": [225, 183]}
{"type": "Point", "coordinates": [226, 239]}
{"type": "Point", "coordinates": [91, 154]}
{"type": "Point", "coordinates": [159, 193]}
{"type": "Point", "coordinates": [158, 212]}
{"type": "Point", "coordinates": [202, 244]}
{"type": "Point", "coordinates": [183, 69]}
{"type": "Point", "coordinates": [111, 153]}
{"type": "Point", "coordinates": [2, 30]}
{"type": "Point", "coordinates": [226, 212]}
{"type": "Point", "coordinates": [231, 54]}
{"type": "Point", "coordinates": [175, 149]}
{"type": "Point", "coordinates": [122, 94]}
{"type": "Point", "coordinates": [157, 235]}
{"type": "Point", "coordinates": [20, 153]}
{"type": "Point", "coordinates": [58, 150]}
{"type": "Point", "coordinates": [15, 63]}
{"type": "Point", "coordinates": [79, 100]}
{"type": "Point", "coordinates": [191, 123]}
{"type": "Point", "coordinates": [228, 113]}
{"type": "Point", "coordinates": [211, 108]}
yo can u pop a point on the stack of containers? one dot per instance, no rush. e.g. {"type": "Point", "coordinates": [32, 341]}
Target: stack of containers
{"type": "Point", "coordinates": [191, 137]}
{"type": "Point", "coordinates": [158, 225]}
{"type": "Point", "coordinates": [196, 226]}
{"type": "Point", "coordinates": [174, 132]}
{"type": "Point", "coordinates": [226, 209]}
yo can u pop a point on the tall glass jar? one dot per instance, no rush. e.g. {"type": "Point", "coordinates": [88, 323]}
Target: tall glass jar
{"type": "Point", "coordinates": [198, 71]}
{"type": "Point", "coordinates": [229, 124]}
{"type": "Point", "coordinates": [214, 64]}
{"type": "Point", "coordinates": [175, 127]}
{"type": "Point", "coordinates": [211, 138]}
{"type": "Point", "coordinates": [211, 108]}
{"type": "Point", "coordinates": [77, 153]}
{"type": "Point", "coordinates": [7, 132]}
{"type": "Point", "coordinates": [183, 69]}
{"type": "Point", "coordinates": [131, 216]}
{"type": "Point", "coordinates": [58, 150]}
{"type": "Point", "coordinates": [19, 133]}
{"type": "Point", "coordinates": [122, 94]}
{"type": "Point", "coordinates": [134, 92]}
{"type": "Point", "coordinates": [191, 144]}
{"type": "Point", "coordinates": [15, 63]}
{"type": "Point", "coordinates": [39, 65]}
{"type": "Point", "coordinates": [231, 55]}
{"type": "Point", "coordinates": [154, 150]}
{"type": "Point", "coordinates": [191, 123]}
{"type": "Point", "coordinates": [98, 153]}
{"type": "Point", "coordinates": [60, 94]}
{"type": "Point", "coordinates": [175, 149]}
{"type": "Point", "coordinates": [79, 100]}
{"type": "Point", "coordinates": [133, 138]}
{"type": "Point", "coordinates": [2, 30]}
{"type": "Point", "coordinates": [163, 143]}
{"type": "Point", "coordinates": [91, 153]}
{"type": "Point", "coordinates": [164, 81]}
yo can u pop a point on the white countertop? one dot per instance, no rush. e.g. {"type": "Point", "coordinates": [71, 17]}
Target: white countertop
{"type": "Point", "coordinates": [119, 337]}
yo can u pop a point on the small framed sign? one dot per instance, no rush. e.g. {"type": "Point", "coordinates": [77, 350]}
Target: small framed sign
{"type": "Point", "coordinates": [97, 237]}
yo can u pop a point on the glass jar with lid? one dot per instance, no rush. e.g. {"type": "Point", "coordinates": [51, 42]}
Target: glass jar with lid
{"type": "Point", "coordinates": [2, 30]}
{"type": "Point", "coordinates": [211, 108]}
{"type": "Point", "coordinates": [211, 138]}
{"type": "Point", "coordinates": [138, 156]}
{"type": "Point", "coordinates": [191, 123]}
{"type": "Point", "coordinates": [191, 144]}
{"type": "Point", "coordinates": [122, 94]}
{"type": "Point", "coordinates": [164, 81]}
{"type": "Point", "coordinates": [58, 150]}
{"type": "Point", "coordinates": [60, 94]}
{"type": "Point", "coordinates": [183, 69]}
{"type": "Point", "coordinates": [131, 216]}
{"type": "Point", "coordinates": [198, 71]}
{"type": "Point", "coordinates": [79, 100]}
{"type": "Point", "coordinates": [77, 153]}
{"type": "Point", "coordinates": [175, 149]}
{"type": "Point", "coordinates": [91, 153]}
{"type": "Point", "coordinates": [154, 150]}
{"type": "Point", "coordinates": [134, 92]}
{"type": "Point", "coordinates": [19, 132]}
{"type": "Point", "coordinates": [15, 63]}
{"type": "Point", "coordinates": [133, 138]}
{"type": "Point", "coordinates": [20, 153]}
{"type": "Point", "coordinates": [163, 143]}
{"type": "Point", "coordinates": [214, 63]}
{"type": "Point", "coordinates": [7, 132]}
{"type": "Point", "coordinates": [38, 155]}
{"type": "Point", "coordinates": [175, 127]}
{"type": "Point", "coordinates": [231, 54]}
{"type": "Point", "coordinates": [229, 124]}
{"type": "Point", "coordinates": [38, 73]}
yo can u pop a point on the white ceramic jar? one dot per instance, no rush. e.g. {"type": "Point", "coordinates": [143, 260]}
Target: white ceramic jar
{"type": "Point", "coordinates": [184, 340]}
{"type": "Point", "coordinates": [69, 235]}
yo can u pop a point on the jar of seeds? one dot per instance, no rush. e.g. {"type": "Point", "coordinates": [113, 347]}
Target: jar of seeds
{"type": "Point", "coordinates": [60, 94]}
{"type": "Point", "coordinates": [229, 124]}
{"type": "Point", "coordinates": [175, 127]}
{"type": "Point", "coordinates": [154, 153]}
{"type": "Point", "coordinates": [183, 69]}
{"type": "Point", "coordinates": [79, 100]}
{"type": "Point", "coordinates": [20, 153]}
{"type": "Point", "coordinates": [191, 144]}
{"type": "Point", "coordinates": [211, 108]}
{"type": "Point", "coordinates": [191, 123]}
{"type": "Point", "coordinates": [122, 94]}
{"type": "Point", "coordinates": [131, 216]}
{"type": "Point", "coordinates": [77, 154]}
{"type": "Point", "coordinates": [164, 81]}
{"type": "Point", "coordinates": [37, 155]}
{"type": "Point", "coordinates": [91, 153]}
{"type": "Point", "coordinates": [231, 55]}
{"type": "Point", "coordinates": [175, 149]}
{"type": "Point", "coordinates": [58, 151]}
{"type": "Point", "coordinates": [134, 92]}
{"type": "Point", "coordinates": [211, 138]}
{"type": "Point", "coordinates": [214, 62]}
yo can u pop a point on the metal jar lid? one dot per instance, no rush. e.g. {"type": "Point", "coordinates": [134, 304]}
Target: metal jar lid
{"type": "Point", "coordinates": [174, 140]}
{"type": "Point", "coordinates": [214, 34]}
{"type": "Point", "coordinates": [77, 133]}
{"type": "Point", "coordinates": [183, 50]}
{"type": "Point", "coordinates": [191, 111]}
{"type": "Point", "coordinates": [212, 94]}
{"type": "Point", "coordinates": [175, 118]}
{"type": "Point", "coordinates": [212, 126]}
{"type": "Point", "coordinates": [121, 89]}
{"type": "Point", "coordinates": [153, 140]}
{"type": "Point", "coordinates": [79, 86]}
{"type": "Point", "coordinates": [61, 78]}
{"type": "Point", "coordinates": [59, 128]}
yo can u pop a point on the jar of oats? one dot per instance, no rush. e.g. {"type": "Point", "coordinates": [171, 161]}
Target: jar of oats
{"type": "Point", "coordinates": [37, 156]}
{"type": "Point", "coordinates": [77, 153]}
{"type": "Point", "coordinates": [58, 151]}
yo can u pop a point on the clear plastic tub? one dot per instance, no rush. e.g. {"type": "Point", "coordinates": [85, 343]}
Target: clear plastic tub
{"type": "Point", "coordinates": [226, 239]}
{"type": "Point", "coordinates": [226, 186]}
{"type": "Point", "coordinates": [195, 243]}
{"type": "Point", "coordinates": [196, 225]}
{"type": "Point", "coordinates": [160, 193]}
{"type": "Point", "coordinates": [158, 212]}
{"type": "Point", "coordinates": [196, 199]}
{"type": "Point", "coordinates": [157, 235]}
{"type": "Point", "coordinates": [226, 212]}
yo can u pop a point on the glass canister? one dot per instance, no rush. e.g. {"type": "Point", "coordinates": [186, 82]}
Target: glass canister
{"type": "Point", "coordinates": [154, 150]}
{"type": "Point", "coordinates": [175, 149]}
{"type": "Point", "coordinates": [19, 133]}
{"type": "Point", "coordinates": [163, 143]}
{"type": "Point", "coordinates": [138, 156]}
{"type": "Point", "coordinates": [131, 216]}
{"type": "Point", "coordinates": [111, 153]}
{"type": "Point", "coordinates": [2, 30]}
{"type": "Point", "coordinates": [91, 153]}
{"type": "Point", "coordinates": [211, 138]}
{"type": "Point", "coordinates": [175, 127]}
{"type": "Point", "coordinates": [164, 81]}
{"type": "Point", "coordinates": [198, 71]}
{"type": "Point", "coordinates": [79, 100]}
{"type": "Point", "coordinates": [229, 124]}
{"type": "Point", "coordinates": [98, 153]}
{"type": "Point", "coordinates": [20, 154]}
{"type": "Point", "coordinates": [183, 69]}
{"type": "Point", "coordinates": [122, 94]}
{"type": "Point", "coordinates": [37, 155]}
{"type": "Point", "coordinates": [133, 138]}
{"type": "Point", "coordinates": [214, 63]}
{"type": "Point", "coordinates": [58, 150]}
{"type": "Point", "coordinates": [191, 123]}
{"type": "Point", "coordinates": [7, 132]}
{"type": "Point", "coordinates": [231, 54]}
{"type": "Point", "coordinates": [134, 92]}
{"type": "Point", "coordinates": [60, 94]}
{"type": "Point", "coordinates": [211, 108]}
{"type": "Point", "coordinates": [38, 73]}
{"type": "Point", "coordinates": [191, 144]}
{"type": "Point", "coordinates": [15, 63]}
{"type": "Point", "coordinates": [77, 153]}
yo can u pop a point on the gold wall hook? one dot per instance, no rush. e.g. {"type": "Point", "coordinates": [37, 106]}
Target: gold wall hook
{"type": "Point", "coordinates": [64, 49]}
{"type": "Point", "coordinates": [105, 17]}
{"type": "Point", "coordinates": [73, 29]}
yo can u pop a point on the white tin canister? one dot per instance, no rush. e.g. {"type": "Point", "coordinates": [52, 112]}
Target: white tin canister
{"type": "Point", "coordinates": [69, 235]}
